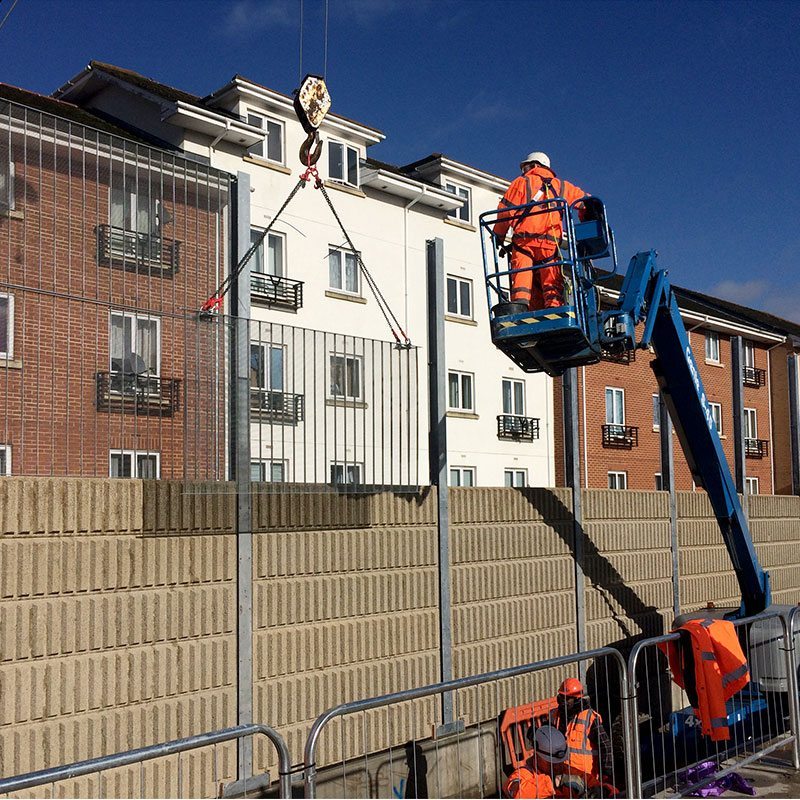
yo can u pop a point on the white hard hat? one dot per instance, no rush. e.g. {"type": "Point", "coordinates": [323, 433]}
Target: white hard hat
{"type": "Point", "coordinates": [542, 158]}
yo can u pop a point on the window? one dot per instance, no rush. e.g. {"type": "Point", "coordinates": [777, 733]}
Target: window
{"type": "Point", "coordinates": [462, 476]}
{"type": "Point", "coordinates": [751, 484]}
{"type": "Point", "coordinates": [6, 326]}
{"type": "Point", "coordinates": [346, 377]}
{"type": "Point", "coordinates": [137, 206]}
{"type": "Point", "coordinates": [135, 346]}
{"type": "Point", "coordinates": [272, 146]}
{"type": "Point", "coordinates": [274, 264]}
{"type": "Point", "coordinates": [514, 397]}
{"type": "Point", "coordinates": [749, 351]}
{"type": "Point", "coordinates": [343, 163]}
{"type": "Point", "coordinates": [459, 297]}
{"type": "Point", "coordinates": [615, 406]}
{"type": "Point", "coordinates": [134, 464]}
{"type": "Point", "coordinates": [346, 474]}
{"type": "Point", "coordinates": [267, 471]}
{"type": "Point", "coordinates": [463, 193]}
{"type": "Point", "coordinates": [716, 413]}
{"type": "Point", "coordinates": [656, 413]}
{"type": "Point", "coordinates": [266, 367]}
{"type": "Point", "coordinates": [460, 394]}
{"type": "Point", "coordinates": [659, 482]}
{"type": "Point", "coordinates": [6, 185]}
{"type": "Point", "coordinates": [750, 424]}
{"type": "Point", "coordinates": [5, 460]}
{"type": "Point", "coordinates": [343, 271]}
{"type": "Point", "coordinates": [712, 347]}
{"type": "Point", "coordinates": [516, 477]}
{"type": "Point", "coordinates": [617, 480]}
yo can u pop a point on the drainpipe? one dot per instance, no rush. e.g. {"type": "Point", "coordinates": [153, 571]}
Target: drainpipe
{"type": "Point", "coordinates": [406, 207]}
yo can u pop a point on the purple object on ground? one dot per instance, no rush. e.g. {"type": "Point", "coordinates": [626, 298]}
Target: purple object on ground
{"type": "Point", "coordinates": [730, 782]}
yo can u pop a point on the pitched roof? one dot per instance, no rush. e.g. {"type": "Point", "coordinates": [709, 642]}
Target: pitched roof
{"type": "Point", "coordinates": [148, 84]}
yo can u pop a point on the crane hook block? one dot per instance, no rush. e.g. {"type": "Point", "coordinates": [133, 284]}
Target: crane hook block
{"type": "Point", "coordinates": [312, 102]}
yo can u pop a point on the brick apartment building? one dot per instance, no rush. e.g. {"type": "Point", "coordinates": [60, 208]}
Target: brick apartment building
{"type": "Point", "coordinates": [618, 403]}
{"type": "Point", "coordinates": [108, 247]}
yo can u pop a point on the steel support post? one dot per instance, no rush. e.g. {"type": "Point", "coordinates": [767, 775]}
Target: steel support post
{"type": "Point", "coordinates": [240, 466]}
{"type": "Point", "coordinates": [668, 484]}
{"type": "Point", "coordinates": [737, 378]}
{"type": "Point", "coordinates": [572, 459]}
{"type": "Point", "coordinates": [794, 419]}
{"type": "Point", "coordinates": [437, 447]}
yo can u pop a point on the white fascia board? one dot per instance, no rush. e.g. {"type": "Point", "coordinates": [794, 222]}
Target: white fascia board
{"type": "Point", "coordinates": [216, 125]}
{"type": "Point", "coordinates": [714, 323]}
{"type": "Point", "coordinates": [409, 189]}
{"type": "Point", "coordinates": [465, 173]}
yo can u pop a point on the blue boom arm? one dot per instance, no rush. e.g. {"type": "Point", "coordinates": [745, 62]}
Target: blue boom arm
{"type": "Point", "coordinates": [647, 298]}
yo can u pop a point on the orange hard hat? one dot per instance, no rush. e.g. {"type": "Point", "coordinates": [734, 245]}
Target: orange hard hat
{"type": "Point", "coordinates": [571, 687]}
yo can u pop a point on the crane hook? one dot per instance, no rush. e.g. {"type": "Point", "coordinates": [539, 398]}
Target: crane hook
{"type": "Point", "coordinates": [308, 157]}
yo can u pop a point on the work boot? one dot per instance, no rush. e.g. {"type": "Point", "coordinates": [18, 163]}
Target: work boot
{"type": "Point", "coordinates": [508, 309]}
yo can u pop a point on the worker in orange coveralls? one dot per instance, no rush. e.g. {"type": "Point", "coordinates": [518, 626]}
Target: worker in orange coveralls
{"type": "Point", "coordinates": [538, 777]}
{"type": "Point", "coordinates": [537, 233]}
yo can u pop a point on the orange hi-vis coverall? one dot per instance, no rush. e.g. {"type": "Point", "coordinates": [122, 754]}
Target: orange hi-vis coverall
{"type": "Point", "coordinates": [536, 236]}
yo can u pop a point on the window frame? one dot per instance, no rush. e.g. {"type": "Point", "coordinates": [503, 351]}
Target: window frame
{"type": "Point", "coordinates": [458, 282]}
{"type": "Point", "coordinates": [461, 470]}
{"type": "Point", "coordinates": [656, 413]}
{"type": "Point", "coordinates": [135, 317]}
{"type": "Point", "coordinates": [617, 474]}
{"type": "Point", "coordinates": [749, 353]}
{"type": "Point", "coordinates": [267, 365]}
{"type": "Point", "coordinates": [659, 481]}
{"type": "Point", "coordinates": [749, 481]}
{"type": "Point", "coordinates": [346, 149]}
{"type": "Point", "coordinates": [512, 382]}
{"type": "Point", "coordinates": [265, 121]}
{"type": "Point", "coordinates": [718, 406]}
{"type": "Point", "coordinates": [345, 465]}
{"type": "Point", "coordinates": [340, 251]}
{"type": "Point", "coordinates": [265, 466]}
{"type": "Point", "coordinates": [345, 397]}
{"type": "Point", "coordinates": [5, 450]}
{"type": "Point", "coordinates": [605, 395]}
{"type": "Point", "coordinates": [514, 472]}
{"type": "Point", "coordinates": [712, 343]}
{"type": "Point", "coordinates": [263, 252]}
{"type": "Point", "coordinates": [134, 454]}
{"type": "Point", "coordinates": [461, 375]}
{"type": "Point", "coordinates": [748, 414]}
{"type": "Point", "coordinates": [455, 188]}
{"type": "Point", "coordinates": [8, 203]}
{"type": "Point", "coordinates": [8, 354]}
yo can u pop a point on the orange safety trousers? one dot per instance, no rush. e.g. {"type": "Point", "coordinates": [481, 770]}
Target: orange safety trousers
{"type": "Point", "coordinates": [542, 287]}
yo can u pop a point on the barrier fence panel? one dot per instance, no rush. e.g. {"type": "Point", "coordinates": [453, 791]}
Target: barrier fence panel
{"type": "Point", "coordinates": [390, 746]}
{"type": "Point", "coordinates": [671, 754]}
{"type": "Point", "coordinates": [184, 783]}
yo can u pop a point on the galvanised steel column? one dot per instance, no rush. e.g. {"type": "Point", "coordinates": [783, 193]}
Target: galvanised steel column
{"type": "Point", "coordinates": [240, 465]}
{"type": "Point", "coordinates": [737, 377]}
{"type": "Point", "coordinates": [794, 420]}
{"type": "Point", "coordinates": [437, 448]}
{"type": "Point", "coordinates": [668, 484]}
{"type": "Point", "coordinates": [572, 464]}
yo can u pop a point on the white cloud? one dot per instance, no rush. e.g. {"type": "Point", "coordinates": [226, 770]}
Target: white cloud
{"type": "Point", "coordinates": [746, 293]}
{"type": "Point", "coordinates": [252, 16]}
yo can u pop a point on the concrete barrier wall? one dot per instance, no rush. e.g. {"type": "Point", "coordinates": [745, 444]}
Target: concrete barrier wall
{"type": "Point", "coordinates": [118, 608]}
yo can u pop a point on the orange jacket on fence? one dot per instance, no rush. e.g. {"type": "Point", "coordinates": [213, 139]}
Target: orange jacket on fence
{"type": "Point", "coordinates": [717, 670]}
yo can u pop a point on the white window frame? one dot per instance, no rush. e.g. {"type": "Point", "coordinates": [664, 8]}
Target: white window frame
{"type": "Point", "coordinates": [619, 477]}
{"type": "Point", "coordinates": [345, 396]}
{"type": "Point", "coordinates": [135, 318]}
{"type": "Point", "coordinates": [718, 407]}
{"type": "Point", "coordinates": [264, 466]}
{"type": "Point", "coordinates": [7, 203]}
{"type": "Point", "coordinates": [460, 472]}
{"type": "Point", "coordinates": [357, 466]}
{"type": "Point", "coordinates": [344, 179]}
{"type": "Point", "coordinates": [751, 484]}
{"type": "Point", "coordinates": [712, 347]}
{"type": "Point", "coordinates": [264, 121]}
{"type": "Point", "coordinates": [512, 382]}
{"type": "Point", "coordinates": [464, 212]}
{"type": "Point", "coordinates": [616, 429]}
{"type": "Point", "coordinates": [749, 353]}
{"type": "Point", "coordinates": [5, 449]}
{"type": "Point", "coordinates": [750, 423]}
{"type": "Point", "coordinates": [656, 414]}
{"type": "Point", "coordinates": [134, 454]}
{"type": "Point", "coordinates": [459, 312]}
{"type": "Point", "coordinates": [659, 481]}
{"type": "Point", "coordinates": [9, 352]}
{"type": "Point", "coordinates": [342, 255]}
{"type": "Point", "coordinates": [266, 360]}
{"type": "Point", "coordinates": [461, 376]}
{"type": "Point", "coordinates": [263, 252]}
{"type": "Point", "coordinates": [511, 474]}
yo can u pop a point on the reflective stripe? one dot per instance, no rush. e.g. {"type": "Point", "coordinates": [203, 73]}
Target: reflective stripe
{"type": "Point", "coordinates": [504, 202]}
{"type": "Point", "coordinates": [707, 623]}
{"type": "Point", "coordinates": [528, 190]}
{"type": "Point", "coordinates": [734, 675]}
{"type": "Point", "coordinates": [708, 656]}
{"type": "Point", "coordinates": [546, 236]}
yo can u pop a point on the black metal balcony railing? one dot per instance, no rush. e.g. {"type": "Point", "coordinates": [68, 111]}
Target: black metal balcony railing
{"type": "Point", "coordinates": [623, 436]}
{"type": "Point", "coordinates": [275, 290]}
{"type": "Point", "coordinates": [517, 428]}
{"type": "Point", "coordinates": [137, 252]}
{"type": "Point", "coordinates": [139, 394]}
{"type": "Point", "coordinates": [756, 448]}
{"type": "Point", "coordinates": [753, 376]}
{"type": "Point", "coordinates": [276, 406]}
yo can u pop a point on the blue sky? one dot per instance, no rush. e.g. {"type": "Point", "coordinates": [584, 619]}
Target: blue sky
{"type": "Point", "coordinates": [682, 116]}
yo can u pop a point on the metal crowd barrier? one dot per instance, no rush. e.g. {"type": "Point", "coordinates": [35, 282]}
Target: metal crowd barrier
{"type": "Point", "coordinates": [98, 765]}
{"type": "Point", "coordinates": [668, 747]}
{"type": "Point", "coordinates": [475, 767]}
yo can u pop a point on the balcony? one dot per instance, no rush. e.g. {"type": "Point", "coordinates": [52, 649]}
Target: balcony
{"type": "Point", "coordinates": [129, 392]}
{"type": "Point", "coordinates": [623, 437]}
{"type": "Point", "coordinates": [137, 252]}
{"type": "Point", "coordinates": [520, 429]}
{"type": "Point", "coordinates": [756, 448]}
{"type": "Point", "coordinates": [753, 376]}
{"type": "Point", "coordinates": [271, 406]}
{"type": "Point", "coordinates": [275, 291]}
